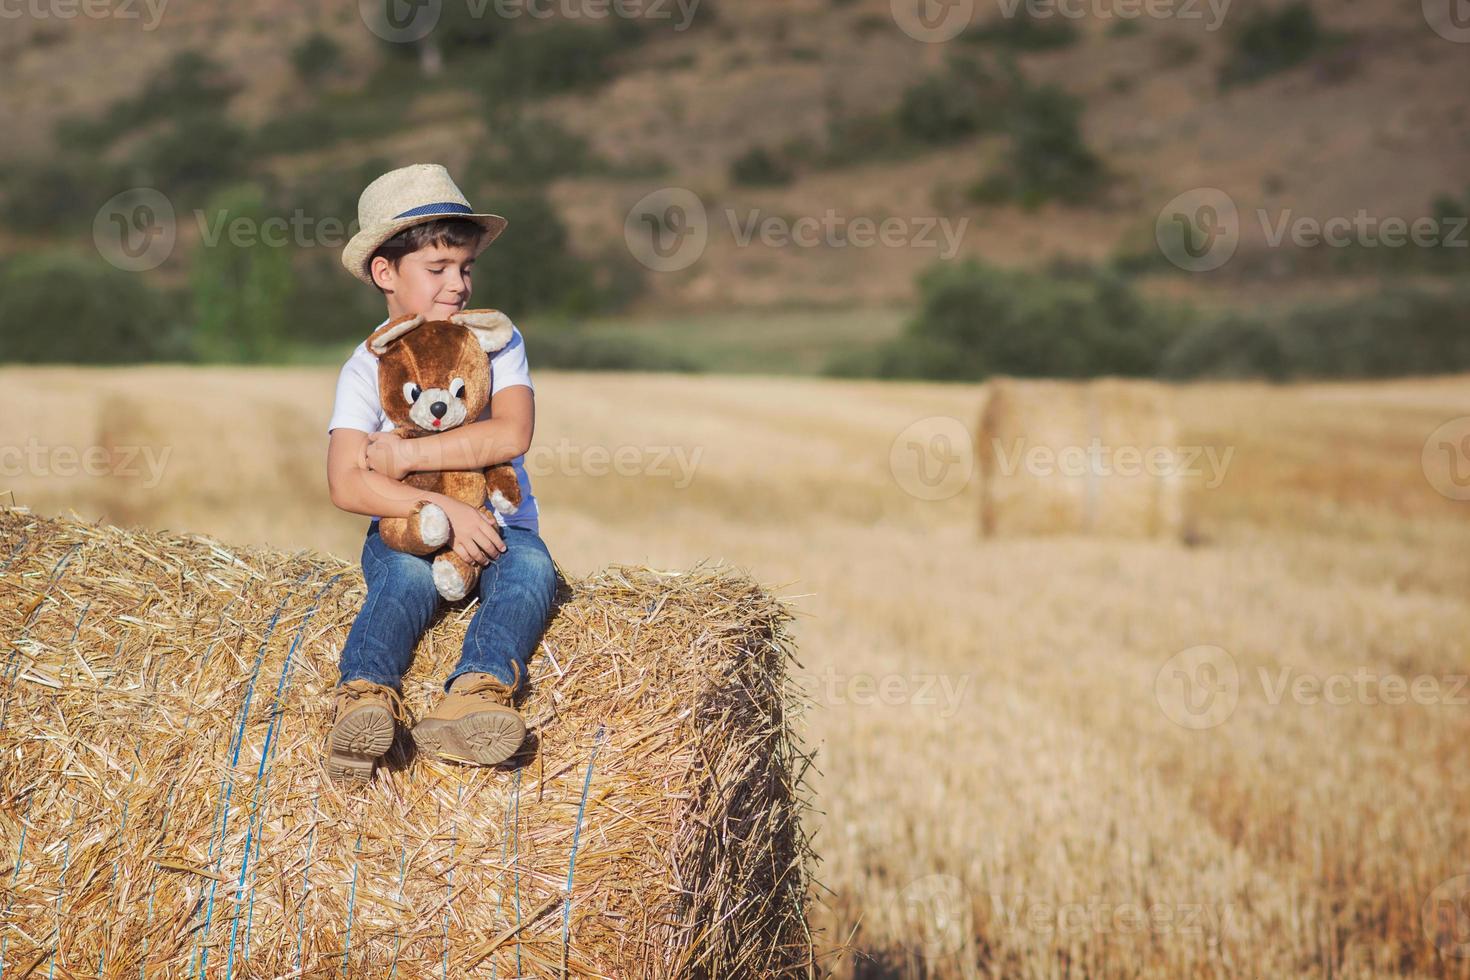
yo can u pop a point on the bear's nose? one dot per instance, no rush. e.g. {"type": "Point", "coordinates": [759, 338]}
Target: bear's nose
{"type": "Point", "coordinates": [438, 408]}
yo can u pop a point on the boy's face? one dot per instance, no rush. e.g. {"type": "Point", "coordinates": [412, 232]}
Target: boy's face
{"type": "Point", "coordinates": [433, 282]}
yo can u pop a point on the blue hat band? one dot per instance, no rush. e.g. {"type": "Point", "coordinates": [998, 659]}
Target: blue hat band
{"type": "Point", "coordinates": [445, 207]}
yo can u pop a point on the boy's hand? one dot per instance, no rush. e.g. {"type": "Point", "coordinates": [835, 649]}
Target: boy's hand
{"type": "Point", "coordinates": [388, 453]}
{"type": "Point", "coordinates": [475, 536]}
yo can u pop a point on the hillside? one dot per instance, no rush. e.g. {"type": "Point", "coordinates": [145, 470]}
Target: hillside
{"type": "Point", "coordinates": [1373, 120]}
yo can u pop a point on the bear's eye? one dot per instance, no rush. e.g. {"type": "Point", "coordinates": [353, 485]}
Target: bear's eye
{"type": "Point", "coordinates": [456, 388]}
{"type": "Point", "coordinates": [411, 392]}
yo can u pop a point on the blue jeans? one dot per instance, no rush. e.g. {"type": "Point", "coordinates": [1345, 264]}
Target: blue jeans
{"type": "Point", "coordinates": [516, 592]}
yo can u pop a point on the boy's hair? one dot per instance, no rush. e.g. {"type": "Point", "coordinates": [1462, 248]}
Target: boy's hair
{"type": "Point", "coordinates": [449, 232]}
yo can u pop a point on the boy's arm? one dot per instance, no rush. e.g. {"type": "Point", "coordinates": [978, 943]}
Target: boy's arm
{"type": "Point", "coordinates": [358, 490]}
{"type": "Point", "coordinates": [473, 446]}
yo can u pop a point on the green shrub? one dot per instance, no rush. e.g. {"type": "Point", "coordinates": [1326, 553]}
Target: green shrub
{"type": "Point", "coordinates": [460, 32]}
{"type": "Point", "coordinates": [864, 138]}
{"type": "Point", "coordinates": [531, 267]}
{"type": "Point", "coordinates": [316, 57]}
{"type": "Point", "coordinates": [759, 167]}
{"type": "Point", "coordinates": [1401, 331]}
{"type": "Point", "coordinates": [527, 149]}
{"type": "Point", "coordinates": [1048, 158]}
{"type": "Point", "coordinates": [192, 84]}
{"type": "Point", "coordinates": [1272, 41]}
{"type": "Point", "coordinates": [196, 153]}
{"type": "Point", "coordinates": [963, 101]}
{"type": "Point", "coordinates": [976, 320]}
{"type": "Point", "coordinates": [1024, 31]}
{"type": "Point", "coordinates": [75, 308]}
{"type": "Point", "coordinates": [240, 291]}
{"type": "Point", "coordinates": [582, 349]}
{"type": "Point", "coordinates": [59, 193]}
{"type": "Point", "coordinates": [559, 57]}
{"type": "Point", "coordinates": [327, 305]}
{"type": "Point", "coordinates": [1231, 347]}
{"type": "Point", "coordinates": [1394, 333]}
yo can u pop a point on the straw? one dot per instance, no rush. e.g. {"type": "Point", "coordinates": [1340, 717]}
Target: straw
{"type": "Point", "coordinates": [690, 856]}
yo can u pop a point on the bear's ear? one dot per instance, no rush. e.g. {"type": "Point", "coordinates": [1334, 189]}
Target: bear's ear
{"type": "Point", "coordinates": [491, 328]}
{"type": "Point", "coordinates": [384, 336]}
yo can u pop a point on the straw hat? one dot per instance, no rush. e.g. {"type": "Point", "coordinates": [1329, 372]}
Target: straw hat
{"type": "Point", "coordinates": [406, 197]}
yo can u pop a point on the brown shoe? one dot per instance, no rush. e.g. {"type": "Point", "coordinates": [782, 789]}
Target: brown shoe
{"type": "Point", "coordinates": [362, 729]}
{"type": "Point", "coordinates": [476, 722]}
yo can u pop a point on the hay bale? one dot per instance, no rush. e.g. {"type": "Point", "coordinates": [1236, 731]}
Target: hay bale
{"type": "Point", "coordinates": [164, 807]}
{"type": "Point", "coordinates": [1080, 458]}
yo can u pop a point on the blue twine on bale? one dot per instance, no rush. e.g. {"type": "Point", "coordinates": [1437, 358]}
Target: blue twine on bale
{"type": "Point", "coordinates": [227, 784]}
{"type": "Point", "coordinates": [16, 550]}
{"type": "Point", "coordinates": [306, 882]}
{"type": "Point", "coordinates": [15, 873]}
{"type": "Point", "coordinates": [351, 905]}
{"type": "Point", "coordinates": [566, 914]}
{"type": "Point", "coordinates": [168, 800]}
{"type": "Point", "coordinates": [262, 778]}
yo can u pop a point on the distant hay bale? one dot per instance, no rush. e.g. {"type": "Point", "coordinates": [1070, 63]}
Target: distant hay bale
{"type": "Point", "coordinates": [164, 809]}
{"type": "Point", "coordinates": [1080, 458]}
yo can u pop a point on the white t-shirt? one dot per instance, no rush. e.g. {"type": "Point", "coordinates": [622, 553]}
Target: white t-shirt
{"type": "Point", "coordinates": [359, 407]}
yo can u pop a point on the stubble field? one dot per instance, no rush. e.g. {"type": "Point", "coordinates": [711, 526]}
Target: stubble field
{"type": "Point", "coordinates": [1038, 758]}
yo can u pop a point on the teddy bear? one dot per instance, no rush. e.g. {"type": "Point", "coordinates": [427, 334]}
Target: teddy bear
{"type": "Point", "coordinates": [434, 375]}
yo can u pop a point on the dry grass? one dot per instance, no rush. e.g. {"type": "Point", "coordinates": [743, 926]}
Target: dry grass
{"type": "Point", "coordinates": [1001, 828]}
{"type": "Point", "coordinates": [164, 805]}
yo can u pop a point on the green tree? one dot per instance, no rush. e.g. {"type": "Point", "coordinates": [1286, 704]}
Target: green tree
{"type": "Point", "coordinates": [240, 282]}
{"type": "Point", "coordinates": [63, 306]}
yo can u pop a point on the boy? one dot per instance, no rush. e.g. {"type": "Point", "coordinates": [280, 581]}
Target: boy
{"type": "Point", "coordinates": [417, 241]}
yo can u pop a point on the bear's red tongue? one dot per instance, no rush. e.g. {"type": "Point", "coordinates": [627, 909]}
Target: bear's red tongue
{"type": "Point", "coordinates": [436, 423]}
